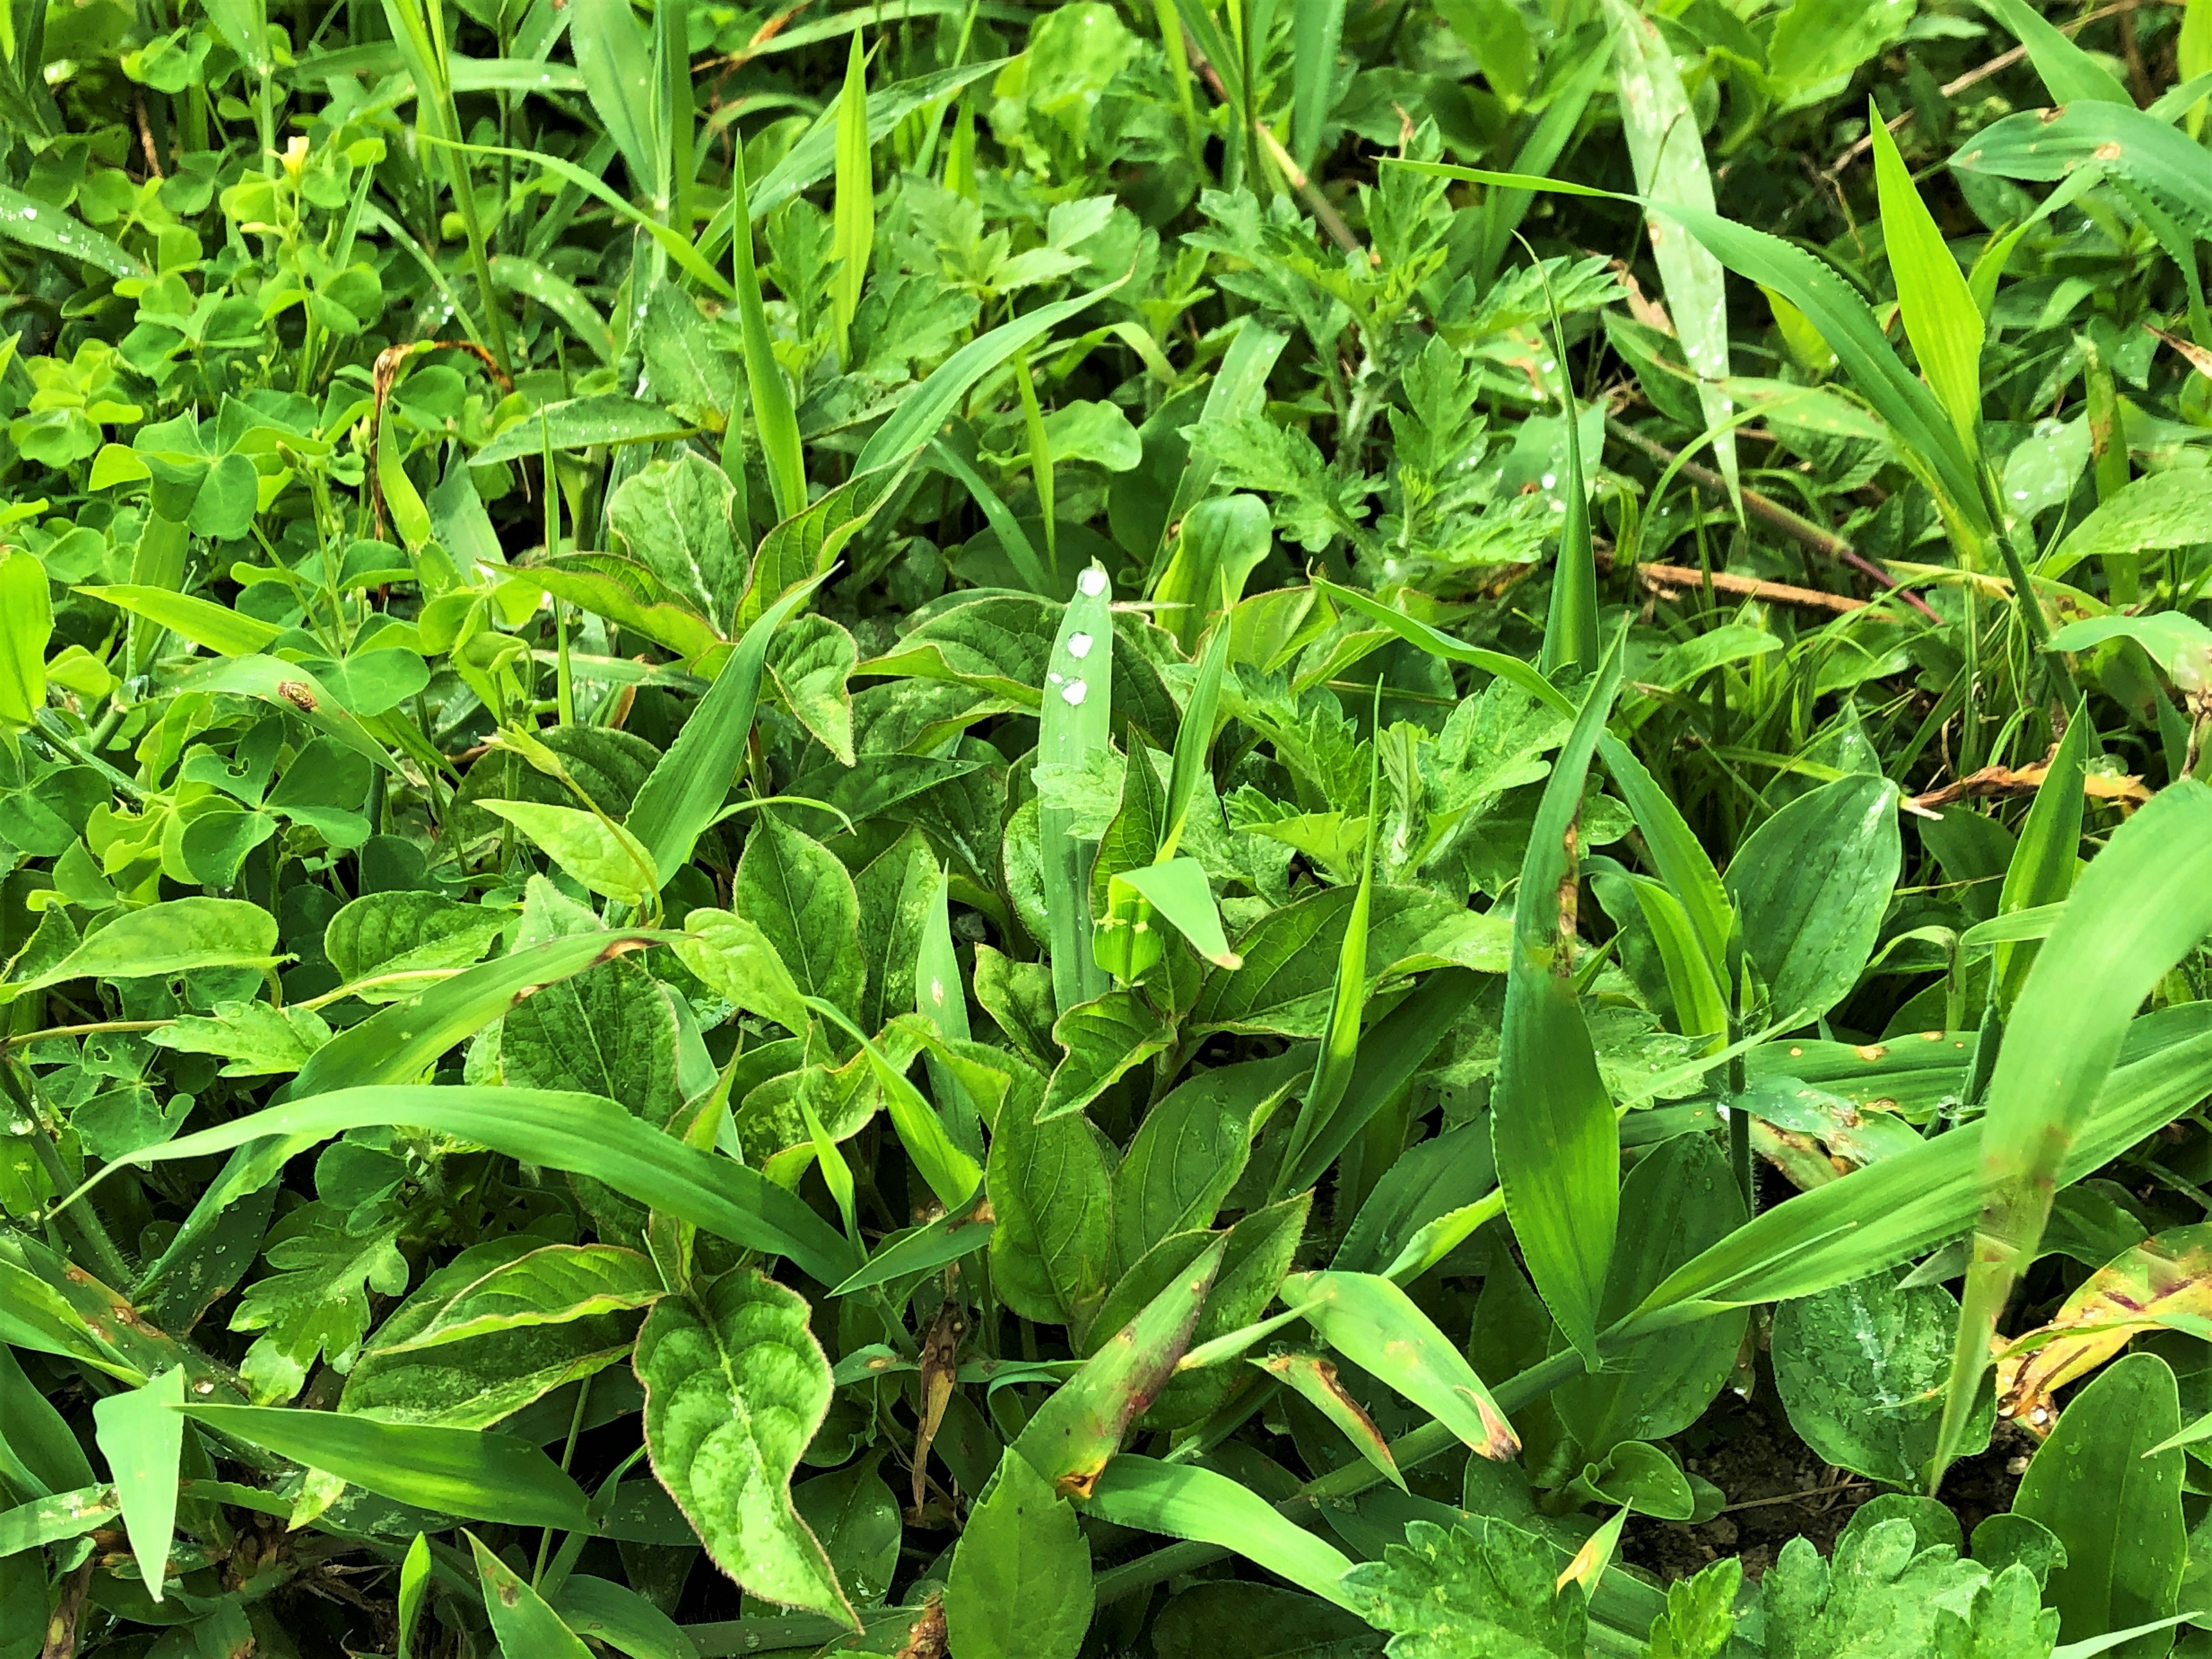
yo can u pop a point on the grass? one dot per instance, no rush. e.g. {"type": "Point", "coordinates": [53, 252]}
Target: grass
{"type": "Point", "coordinates": [1196, 828]}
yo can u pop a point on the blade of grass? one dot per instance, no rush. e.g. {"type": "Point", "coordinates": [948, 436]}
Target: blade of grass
{"type": "Point", "coordinates": [1318, 27]}
{"type": "Point", "coordinates": [853, 206]}
{"type": "Point", "coordinates": [1941, 317]}
{"type": "Point", "coordinates": [773, 421]}
{"type": "Point", "coordinates": [1072, 731]}
{"type": "Point", "coordinates": [1552, 1127]}
{"type": "Point", "coordinates": [2143, 903]}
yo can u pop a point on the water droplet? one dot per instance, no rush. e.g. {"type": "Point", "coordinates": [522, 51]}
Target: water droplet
{"type": "Point", "coordinates": [1092, 582]}
{"type": "Point", "coordinates": [29, 214]}
{"type": "Point", "coordinates": [2019, 494]}
{"type": "Point", "coordinates": [1550, 481]}
{"type": "Point", "coordinates": [1074, 692]}
{"type": "Point", "coordinates": [1079, 646]}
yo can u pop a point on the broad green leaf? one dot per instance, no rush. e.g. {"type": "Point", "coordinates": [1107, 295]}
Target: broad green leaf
{"type": "Point", "coordinates": [1075, 1434]}
{"type": "Point", "coordinates": [1189, 1151]}
{"type": "Point", "coordinates": [1186, 1501]}
{"type": "Point", "coordinates": [738, 962]}
{"type": "Point", "coordinates": [2161, 511]}
{"type": "Point", "coordinates": [1553, 1129]}
{"type": "Point", "coordinates": [1941, 317]}
{"type": "Point", "coordinates": [1287, 983]}
{"type": "Point", "coordinates": [735, 1387]}
{"type": "Point", "coordinates": [582, 1134]}
{"type": "Point", "coordinates": [1376, 1325]}
{"type": "Point", "coordinates": [803, 901]}
{"type": "Point", "coordinates": [519, 1616]}
{"type": "Point", "coordinates": [1051, 1192]}
{"type": "Point", "coordinates": [1020, 1583]}
{"type": "Point", "coordinates": [1881, 1594]}
{"type": "Point", "coordinates": [1811, 886]}
{"type": "Point", "coordinates": [1102, 1040]}
{"type": "Point", "coordinates": [1679, 1201]}
{"type": "Point", "coordinates": [602, 855]}
{"type": "Point", "coordinates": [2113, 1502]}
{"type": "Point", "coordinates": [1860, 1369]}
{"type": "Point", "coordinates": [483, 1477]}
{"type": "Point", "coordinates": [547, 1286]}
{"type": "Point", "coordinates": [407, 939]}
{"type": "Point", "coordinates": [178, 936]}
{"type": "Point", "coordinates": [143, 1437]}
{"type": "Point", "coordinates": [1482, 1588]}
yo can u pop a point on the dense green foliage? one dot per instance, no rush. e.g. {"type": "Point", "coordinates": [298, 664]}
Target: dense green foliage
{"type": "Point", "coordinates": [1035, 831]}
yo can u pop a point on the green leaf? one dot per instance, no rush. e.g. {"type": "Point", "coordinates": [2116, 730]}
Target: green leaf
{"type": "Point", "coordinates": [218, 628]}
{"type": "Point", "coordinates": [1317, 29]}
{"type": "Point", "coordinates": [739, 962]}
{"type": "Point", "coordinates": [686, 789]}
{"type": "Point", "coordinates": [1941, 319]}
{"type": "Point", "coordinates": [178, 936]}
{"type": "Point", "coordinates": [1891, 1211]}
{"type": "Point", "coordinates": [2070, 73]}
{"type": "Point", "coordinates": [809, 663]}
{"type": "Point", "coordinates": [582, 1134]}
{"type": "Point", "coordinates": [1189, 1151]}
{"type": "Point", "coordinates": [1679, 1201]}
{"type": "Point", "coordinates": [602, 855]}
{"type": "Point", "coordinates": [1376, 1325]}
{"type": "Point", "coordinates": [546, 1286]}
{"type": "Point", "coordinates": [1102, 1040]}
{"type": "Point", "coordinates": [1021, 1573]}
{"type": "Point", "coordinates": [1051, 1192]}
{"type": "Point", "coordinates": [315, 1304]}
{"type": "Point", "coordinates": [2161, 511]}
{"type": "Point", "coordinates": [1286, 987]}
{"type": "Point", "coordinates": [1811, 886]}
{"type": "Point", "coordinates": [2114, 1504]}
{"type": "Point", "coordinates": [1552, 1125]}
{"type": "Point", "coordinates": [1700, 1613]}
{"type": "Point", "coordinates": [143, 1439]}
{"type": "Point", "coordinates": [463, 1472]}
{"type": "Point", "coordinates": [1879, 1595]}
{"type": "Point", "coordinates": [802, 898]}
{"type": "Point", "coordinates": [678, 519]}
{"type": "Point", "coordinates": [1186, 1501]}
{"type": "Point", "coordinates": [1178, 891]}
{"type": "Point", "coordinates": [414, 1590]}
{"type": "Point", "coordinates": [519, 1616]}
{"type": "Point", "coordinates": [735, 1387]}
{"type": "Point", "coordinates": [398, 934]}
{"type": "Point", "coordinates": [1488, 1588]}
{"type": "Point", "coordinates": [1861, 1369]}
